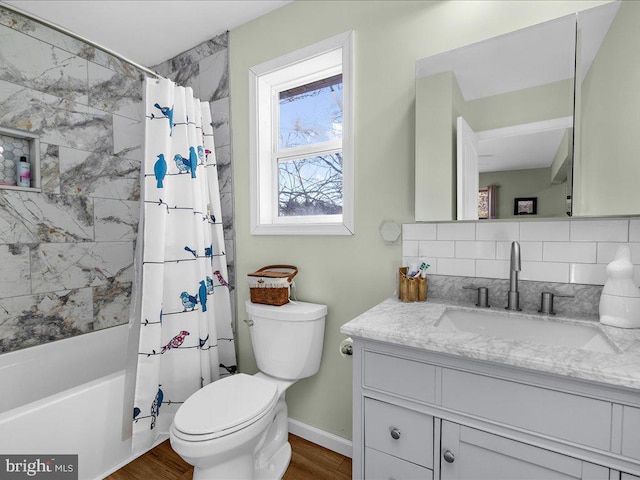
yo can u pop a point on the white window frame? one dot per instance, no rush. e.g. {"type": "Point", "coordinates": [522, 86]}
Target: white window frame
{"type": "Point", "coordinates": [320, 60]}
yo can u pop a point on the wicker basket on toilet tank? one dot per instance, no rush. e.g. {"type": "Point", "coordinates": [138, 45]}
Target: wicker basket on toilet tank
{"type": "Point", "coordinates": [270, 285]}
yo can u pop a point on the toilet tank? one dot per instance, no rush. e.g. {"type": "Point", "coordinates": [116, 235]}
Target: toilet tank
{"type": "Point", "coordinates": [287, 340]}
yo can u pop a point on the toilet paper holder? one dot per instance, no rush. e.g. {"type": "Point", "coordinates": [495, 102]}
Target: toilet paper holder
{"type": "Point", "coordinates": [346, 347]}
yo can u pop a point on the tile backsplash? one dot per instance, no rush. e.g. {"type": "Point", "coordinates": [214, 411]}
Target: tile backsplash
{"type": "Point", "coordinates": [561, 251]}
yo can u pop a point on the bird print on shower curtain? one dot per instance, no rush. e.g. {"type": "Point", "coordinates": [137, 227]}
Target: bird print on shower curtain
{"type": "Point", "coordinates": [186, 340]}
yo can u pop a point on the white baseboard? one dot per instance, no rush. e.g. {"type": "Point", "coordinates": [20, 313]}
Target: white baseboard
{"type": "Point", "coordinates": [322, 438]}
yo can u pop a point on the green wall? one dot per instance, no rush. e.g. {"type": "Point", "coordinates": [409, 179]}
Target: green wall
{"type": "Point", "coordinates": [545, 102]}
{"type": "Point", "coordinates": [351, 274]}
{"type": "Point", "coordinates": [532, 182]}
{"type": "Point", "coordinates": [436, 117]}
{"type": "Point", "coordinates": [610, 122]}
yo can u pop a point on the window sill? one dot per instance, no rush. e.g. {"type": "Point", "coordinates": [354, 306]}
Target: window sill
{"type": "Point", "coordinates": [302, 229]}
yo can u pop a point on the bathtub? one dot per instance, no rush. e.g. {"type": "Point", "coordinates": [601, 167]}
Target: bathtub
{"type": "Point", "coordinates": [67, 397]}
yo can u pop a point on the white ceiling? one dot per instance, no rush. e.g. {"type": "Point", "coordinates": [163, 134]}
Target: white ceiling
{"type": "Point", "coordinates": [148, 31]}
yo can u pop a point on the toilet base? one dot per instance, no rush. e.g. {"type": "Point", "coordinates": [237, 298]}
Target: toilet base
{"type": "Point", "coordinates": [277, 466]}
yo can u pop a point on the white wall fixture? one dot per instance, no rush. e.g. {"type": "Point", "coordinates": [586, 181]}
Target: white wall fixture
{"type": "Point", "coordinates": [390, 231]}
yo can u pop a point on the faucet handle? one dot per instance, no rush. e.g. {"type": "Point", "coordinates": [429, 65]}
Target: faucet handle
{"type": "Point", "coordinates": [546, 302]}
{"type": "Point", "coordinates": [483, 296]}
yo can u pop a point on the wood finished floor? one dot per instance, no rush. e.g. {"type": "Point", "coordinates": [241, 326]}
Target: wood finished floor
{"type": "Point", "coordinates": [308, 462]}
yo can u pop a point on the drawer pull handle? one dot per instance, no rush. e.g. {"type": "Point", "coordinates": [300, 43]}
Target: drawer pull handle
{"type": "Point", "coordinates": [449, 457]}
{"type": "Point", "coordinates": [395, 433]}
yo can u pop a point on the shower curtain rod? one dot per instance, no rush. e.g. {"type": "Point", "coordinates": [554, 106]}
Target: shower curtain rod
{"type": "Point", "coordinates": [60, 29]}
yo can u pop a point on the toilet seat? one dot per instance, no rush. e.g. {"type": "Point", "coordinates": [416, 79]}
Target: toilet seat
{"type": "Point", "coordinates": [224, 407]}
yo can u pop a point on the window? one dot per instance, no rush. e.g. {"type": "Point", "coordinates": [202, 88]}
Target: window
{"type": "Point", "coordinates": [302, 152]}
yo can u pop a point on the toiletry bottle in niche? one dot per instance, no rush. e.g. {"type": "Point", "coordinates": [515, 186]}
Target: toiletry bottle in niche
{"type": "Point", "coordinates": [23, 172]}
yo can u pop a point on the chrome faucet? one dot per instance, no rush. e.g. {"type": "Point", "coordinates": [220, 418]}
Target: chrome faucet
{"type": "Point", "coordinates": [513, 297]}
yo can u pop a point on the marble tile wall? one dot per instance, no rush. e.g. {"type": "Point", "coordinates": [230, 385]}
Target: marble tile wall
{"type": "Point", "coordinates": [66, 253]}
{"type": "Point", "coordinates": [205, 69]}
{"type": "Point", "coordinates": [562, 256]}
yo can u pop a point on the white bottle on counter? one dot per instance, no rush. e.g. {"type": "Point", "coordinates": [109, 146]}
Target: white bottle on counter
{"type": "Point", "coordinates": [23, 172]}
{"type": "Point", "coordinates": [620, 299]}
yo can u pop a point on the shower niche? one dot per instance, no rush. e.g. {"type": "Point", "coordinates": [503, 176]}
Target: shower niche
{"type": "Point", "coordinates": [15, 144]}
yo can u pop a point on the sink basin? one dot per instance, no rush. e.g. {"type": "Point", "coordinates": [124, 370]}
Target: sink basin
{"type": "Point", "coordinates": [518, 327]}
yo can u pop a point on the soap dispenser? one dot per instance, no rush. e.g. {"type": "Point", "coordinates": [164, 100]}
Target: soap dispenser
{"type": "Point", "coordinates": [620, 299]}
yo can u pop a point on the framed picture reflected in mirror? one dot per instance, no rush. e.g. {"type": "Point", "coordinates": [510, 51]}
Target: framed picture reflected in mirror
{"type": "Point", "coordinates": [525, 206]}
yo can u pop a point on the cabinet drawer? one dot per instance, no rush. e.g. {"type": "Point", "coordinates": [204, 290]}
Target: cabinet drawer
{"type": "Point", "coordinates": [380, 466]}
{"type": "Point", "coordinates": [400, 376]}
{"type": "Point", "coordinates": [631, 432]}
{"type": "Point", "coordinates": [562, 415]}
{"type": "Point", "coordinates": [415, 442]}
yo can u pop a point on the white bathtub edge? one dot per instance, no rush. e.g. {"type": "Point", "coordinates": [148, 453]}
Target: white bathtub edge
{"type": "Point", "coordinates": [159, 440]}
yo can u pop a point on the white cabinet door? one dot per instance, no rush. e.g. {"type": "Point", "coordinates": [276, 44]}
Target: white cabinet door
{"type": "Point", "coordinates": [626, 476]}
{"type": "Point", "coordinates": [469, 454]}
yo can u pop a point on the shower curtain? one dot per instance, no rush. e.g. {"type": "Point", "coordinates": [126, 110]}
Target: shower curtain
{"type": "Point", "coordinates": [186, 339]}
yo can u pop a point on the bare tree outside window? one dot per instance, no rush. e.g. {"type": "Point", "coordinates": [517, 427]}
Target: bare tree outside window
{"type": "Point", "coordinates": [310, 184]}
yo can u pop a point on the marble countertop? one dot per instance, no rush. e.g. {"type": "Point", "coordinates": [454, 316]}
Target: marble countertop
{"type": "Point", "coordinates": [413, 325]}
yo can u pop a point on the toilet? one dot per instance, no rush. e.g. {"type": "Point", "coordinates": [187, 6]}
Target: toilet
{"type": "Point", "coordinates": [237, 427]}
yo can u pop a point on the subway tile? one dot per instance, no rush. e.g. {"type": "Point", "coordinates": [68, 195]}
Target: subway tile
{"type": "Point", "coordinates": [456, 266]}
{"type": "Point", "coordinates": [498, 230]}
{"type": "Point", "coordinates": [591, 274]}
{"type": "Point", "coordinates": [529, 251]}
{"type": "Point", "coordinates": [634, 230]}
{"type": "Point", "coordinates": [492, 268]}
{"type": "Point", "coordinates": [456, 231]}
{"type": "Point", "coordinates": [550, 231]}
{"type": "Point", "coordinates": [410, 248]}
{"type": "Point", "coordinates": [545, 272]}
{"type": "Point", "coordinates": [407, 260]}
{"type": "Point", "coordinates": [484, 250]}
{"type": "Point", "coordinates": [578, 252]}
{"type": "Point", "coordinates": [419, 231]}
{"type": "Point", "coordinates": [437, 248]}
{"type": "Point", "coordinates": [600, 230]}
{"type": "Point", "coordinates": [607, 252]}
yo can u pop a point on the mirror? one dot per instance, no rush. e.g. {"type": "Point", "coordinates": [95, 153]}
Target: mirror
{"type": "Point", "coordinates": [516, 95]}
{"type": "Point", "coordinates": [607, 144]}
{"type": "Point", "coordinates": [511, 117]}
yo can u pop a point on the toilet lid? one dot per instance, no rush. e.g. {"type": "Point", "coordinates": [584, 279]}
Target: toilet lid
{"type": "Point", "coordinates": [226, 405]}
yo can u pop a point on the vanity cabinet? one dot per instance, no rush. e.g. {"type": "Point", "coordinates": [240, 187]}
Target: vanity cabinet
{"type": "Point", "coordinates": [473, 454]}
{"type": "Point", "coordinates": [421, 414]}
